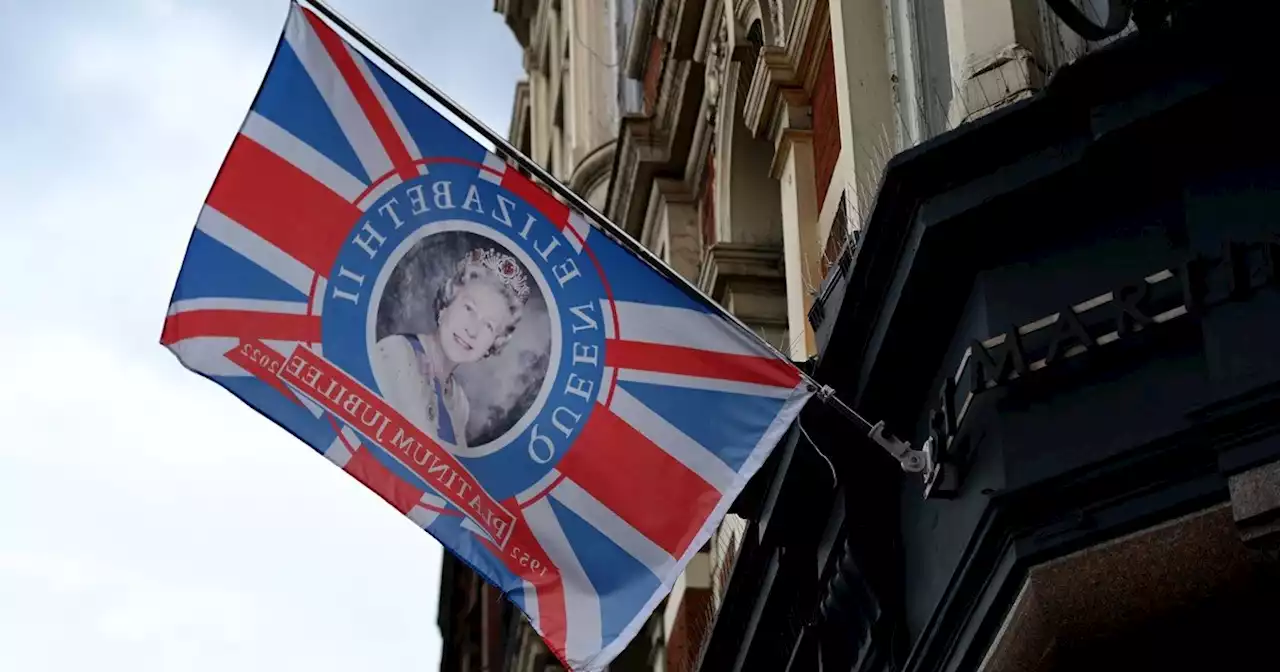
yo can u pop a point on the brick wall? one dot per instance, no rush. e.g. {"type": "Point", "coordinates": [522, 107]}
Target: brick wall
{"type": "Point", "coordinates": [826, 123]}
{"type": "Point", "coordinates": [687, 631]}
{"type": "Point", "coordinates": [709, 199]}
{"type": "Point", "coordinates": [653, 73]}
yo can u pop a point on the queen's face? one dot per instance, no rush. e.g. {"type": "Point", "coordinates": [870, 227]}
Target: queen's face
{"type": "Point", "coordinates": [472, 322]}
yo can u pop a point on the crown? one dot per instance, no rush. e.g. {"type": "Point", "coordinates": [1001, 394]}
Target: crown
{"type": "Point", "coordinates": [505, 267]}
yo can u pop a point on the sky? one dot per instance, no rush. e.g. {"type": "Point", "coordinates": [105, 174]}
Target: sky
{"type": "Point", "coordinates": [148, 519]}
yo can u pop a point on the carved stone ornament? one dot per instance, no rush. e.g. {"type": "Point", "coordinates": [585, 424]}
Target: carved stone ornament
{"type": "Point", "coordinates": [780, 24]}
{"type": "Point", "coordinates": [717, 64]}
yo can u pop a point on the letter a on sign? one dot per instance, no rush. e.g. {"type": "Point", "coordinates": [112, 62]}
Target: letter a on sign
{"type": "Point", "coordinates": [557, 412]}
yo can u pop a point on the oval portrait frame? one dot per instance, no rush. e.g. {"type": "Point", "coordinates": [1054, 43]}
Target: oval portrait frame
{"type": "Point", "coordinates": [443, 226]}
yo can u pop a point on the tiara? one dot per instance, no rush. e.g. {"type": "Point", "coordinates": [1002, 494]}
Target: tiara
{"type": "Point", "coordinates": [504, 266]}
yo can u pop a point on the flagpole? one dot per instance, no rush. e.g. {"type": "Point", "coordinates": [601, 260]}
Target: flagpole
{"type": "Point", "coordinates": [911, 460]}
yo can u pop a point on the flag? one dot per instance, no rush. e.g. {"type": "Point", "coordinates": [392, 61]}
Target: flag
{"type": "Point", "coordinates": [558, 413]}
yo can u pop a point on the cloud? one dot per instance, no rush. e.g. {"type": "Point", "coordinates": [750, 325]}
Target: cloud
{"type": "Point", "coordinates": [151, 520]}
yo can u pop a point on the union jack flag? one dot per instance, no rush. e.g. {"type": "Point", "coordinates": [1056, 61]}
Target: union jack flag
{"type": "Point", "coordinates": [643, 413]}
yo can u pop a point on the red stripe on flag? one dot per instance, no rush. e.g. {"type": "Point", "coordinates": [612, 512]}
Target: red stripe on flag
{"type": "Point", "coordinates": [247, 324]}
{"type": "Point", "coordinates": [349, 400]}
{"type": "Point", "coordinates": [642, 356]}
{"type": "Point", "coordinates": [536, 196]}
{"type": "Point", "coordinates": [526, 559]}
{"type": "Point", "coordinates": [368, 470]}
{"type": "Point", "coordinates": [263, 362]}
{"type": "Point", "coordinates": [524, 556]}
{"type": "Point", "coordinates": [657, 495]}
{"type": "Point", "coordinates": [287, 207]}
{"type": "Point", "coordinates": [368, 100]}
{"type": "Point", "coordinates": [553, 617]}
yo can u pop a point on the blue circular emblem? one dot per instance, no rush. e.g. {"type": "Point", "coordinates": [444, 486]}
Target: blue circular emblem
{"type": "Point", "coordinates": [476, 318]}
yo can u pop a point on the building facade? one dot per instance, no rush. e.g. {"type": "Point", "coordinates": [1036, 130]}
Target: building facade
{"type": "Point", "coordinates": [1073, 297]}
{"type": "Point", "coordinates": [745, 142]}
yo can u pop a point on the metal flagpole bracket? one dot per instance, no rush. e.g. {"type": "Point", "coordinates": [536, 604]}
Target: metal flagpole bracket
{"type": "Point", "coordinates": [911, 460]}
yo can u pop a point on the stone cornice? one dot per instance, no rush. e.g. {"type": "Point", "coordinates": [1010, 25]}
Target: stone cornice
{"type": "Point", "coordinates": [519, 114]}
{"type": "Point", "coordinates": [665, 192]}
{"type": "Point", "coordinates": [793, 66]}
{"type": "Point", "coordinates": [518, 14]}
{"type": "Point", "coordinates": [671, 143]}
{"type": "Point", "coordinates": [539, 35]}
{"type": "Point", "coordinates": [792, 122]}
{"type": "Point", "coordinates": [684, 184]}
{"type": "Point", "coordinates": [663, 144]}
{"type": "Point", "coordinates": [786, 139]}
{"type": "Point", "coordinates": [640, 148]}
{"type": "Point", "coordinates": [726, 262]}
{"type": "Point", "coordinates": [672, 181]}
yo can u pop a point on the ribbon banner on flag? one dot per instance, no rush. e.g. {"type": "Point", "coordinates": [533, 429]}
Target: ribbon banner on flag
{"type": "Point", "coordinates": [560, 415]}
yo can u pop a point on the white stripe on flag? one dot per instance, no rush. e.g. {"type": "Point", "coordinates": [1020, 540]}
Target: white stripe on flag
{"type": "Point", "coordinates": [302, 156]}
{"type": "Point", "coordinates": [573, 241]}
{"type": "Point", "coordinates": [606, 385]}
{"type": "Point", "coordinates": [206, 354]}
{"type": "Point", "coordinates": [422, 517]}
{"type": "Point", "coordinates": [337, 95]}
{"type": "Point", "coordinates": [317, 297]}
{"type": "Point", "coordinates": [537, 488]}
{"type": "Point", "coordinates": [432, 499]}
{"type": "Point", "coordinates": [700, 383]}
{"type": "Point", "coordinates": [581, 601]}
{"type": "Point", "coordinates": [531, 603]}
{"type": "Point", "coordinates": [255, 248]}
{"type": "Point", "coordinates": [401, 130]}
{"type": "Point", "coordinates": [606, 316]}
{"type": "Point", "coordinates": [316, 409]}
{"type": "Point", "coordinates": [666, 325]}
{"type": "Point", "coordinates": [252, 305]}
{"type": "Point", "coordinates": [352, 437]}
{"type": "Point", "coordinates": [472, 527]}
{"type": "Point", "coordinates": [338, 452]}
{"type": "Point", "coordinates": [392, 181]}
{"type": "Point", "coordinates": [496, 163]}
{"type": "Point", "coordinates": [614, 527]}
{"type": "Point", "coordinates": [580, 226]}
{"type": "Point", "coordinates": [674, 442]}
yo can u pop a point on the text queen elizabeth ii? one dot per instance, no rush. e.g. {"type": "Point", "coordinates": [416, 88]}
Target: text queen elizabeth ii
{"type": "Point", "coordinates": [476, 309]}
